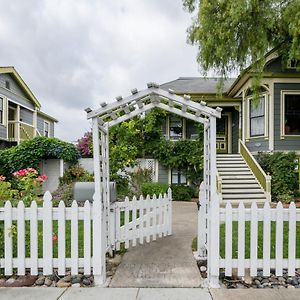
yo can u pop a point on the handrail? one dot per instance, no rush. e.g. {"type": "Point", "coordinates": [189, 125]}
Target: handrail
{"type": "Point", "coordinates": [19, 131]}
{"type": "Point", "coordinates": [263, 178]}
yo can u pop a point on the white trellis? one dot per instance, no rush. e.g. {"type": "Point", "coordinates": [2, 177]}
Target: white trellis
{"type": "Point", "coordinates": [123, 109]}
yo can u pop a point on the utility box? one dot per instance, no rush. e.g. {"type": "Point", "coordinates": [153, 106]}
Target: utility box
{"type": "Point", "coordinates": [83, 191]}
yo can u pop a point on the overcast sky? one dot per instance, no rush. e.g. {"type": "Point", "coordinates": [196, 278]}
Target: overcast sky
{"type": "Point", "coordinates": [75, 54]}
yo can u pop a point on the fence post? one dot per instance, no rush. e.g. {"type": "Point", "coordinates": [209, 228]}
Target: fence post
{"type": "Point", "coordinates": [201, 249]}
{"type": "Point", "coordinates": [213, 250]}
{"type": "Point", "coordinates": [170, 211]}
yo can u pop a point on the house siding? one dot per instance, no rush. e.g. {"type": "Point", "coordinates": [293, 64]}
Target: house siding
{"type": "Point", "coordinates": [235, 131]}
{"type": "Point", "coordinates": [3, 132]}
{"type": "Point", "coordinates": [26, 116]}
{"type": "Point", "coordinates": [40, 125]}
{"type": "Point", "coordinates": [258, 145]}
{"type": "Point", "coordinates": [163, 174]}
{"type": "Point", "coordinates": [15, 93]}
{"type": "Point", "coordinates": [288, 143]}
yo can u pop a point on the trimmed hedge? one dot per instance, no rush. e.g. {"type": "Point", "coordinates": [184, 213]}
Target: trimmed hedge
{"type": "Point", "coordinates": [30, 153]}
{"type": "Point", "coordinates": [151, 188]}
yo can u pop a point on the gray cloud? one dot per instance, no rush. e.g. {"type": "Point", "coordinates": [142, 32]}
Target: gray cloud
{"type": "Point", "coordinates": [78, 53]}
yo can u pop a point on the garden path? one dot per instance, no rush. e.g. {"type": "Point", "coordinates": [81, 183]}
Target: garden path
{"type": "Point", "coordinates": [166, 262]}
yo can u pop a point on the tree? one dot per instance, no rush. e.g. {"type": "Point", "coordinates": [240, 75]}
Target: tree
{"type": "Point", "coordinates": [232, 34]}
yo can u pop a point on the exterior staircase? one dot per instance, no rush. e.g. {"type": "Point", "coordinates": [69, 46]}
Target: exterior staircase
{"type": "Point", "coordinates": [237, 180]}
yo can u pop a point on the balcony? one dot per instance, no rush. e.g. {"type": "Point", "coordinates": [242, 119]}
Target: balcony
{"type": "Point", "coordinates": [19, 131]}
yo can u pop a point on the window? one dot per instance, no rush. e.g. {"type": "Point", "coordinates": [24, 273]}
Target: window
{"type": "Point", "coordinates": [292, 64]}
{"type": "Point", "coordinates": [178, 177]}
{"type": "Point", "coordinates": [7, 84]}
{"type": "Point", "coordinates": [257, 117]}
{"type": "Point", "coordinates": [46, 129]}
{"type": "Point", "coordinates": [1, 111]}
{"type": "Point", "coordinates": [175, 128]}
{"type": "Point", "coordinates": [291, 114]}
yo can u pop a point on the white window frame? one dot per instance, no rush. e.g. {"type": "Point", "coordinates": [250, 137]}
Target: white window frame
{"type": "Point", "coordinates": [266, 130]}
{"type": "Point", "coordinates": [178, 172]}
{"type": "Point", "coordinates": [183, 122]}
{"type": "Point", "coordinates": [46, 122]}
{"type": "Point", "coordinates": [4, 111]}
{"type": "Point", "coordinates": [282, 112]}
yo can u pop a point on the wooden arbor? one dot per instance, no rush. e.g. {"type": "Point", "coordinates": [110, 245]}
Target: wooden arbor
{"type": "Point", "coordinates": [121, 110]}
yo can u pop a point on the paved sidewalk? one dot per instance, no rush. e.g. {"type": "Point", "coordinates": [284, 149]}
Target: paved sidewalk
{"type": "Point", "coordinates": [38, 293]}
{"type": "Point", "coordinates": [166, 262]}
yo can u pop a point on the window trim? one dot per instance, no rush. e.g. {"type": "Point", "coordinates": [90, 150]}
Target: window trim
{"type": "Point", "coordinates": [178, 172]}
{"type": "Point", "coordinates": [4, 111]}
{"type": "Point", "coordinates": [282, 113]}
{"type": "Point", "coordinates": [183, 127]}
{"type": "Point", "coordinates": [47, 122]}
{"type": "Point", "coordinates": [265, 135]}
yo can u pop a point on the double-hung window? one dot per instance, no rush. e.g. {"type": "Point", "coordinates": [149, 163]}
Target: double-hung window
{"type": "Point", "coordinates": [291, 103]}
{"type": "Point", "coordinates": [175, 127]}
{"type": "Point", "coordinates": [257, 117]}
{"type": "Point", "coordinates": [46, 129]}
{"type": "Point", "coordinates": [1, 111]}
{"type": "Point", "coordinates": [178, 177]}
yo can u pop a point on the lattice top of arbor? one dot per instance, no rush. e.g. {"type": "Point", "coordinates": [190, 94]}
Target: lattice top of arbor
{"type": "Point", "coordinates": [110, 114]}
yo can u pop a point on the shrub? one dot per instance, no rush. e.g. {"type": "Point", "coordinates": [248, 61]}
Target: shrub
{"type": "Point", "coordinates": [85, 145]}
{"type": "Point", "coordinates": [122, 185]}
{"type": "Point", "coordinates": [151, 188]}
{"type": "Point", "coordinates": [182, 192]}
{"type": "Point", "coordinates": [75, 173]}
{"type": "Point", "coordinates": [281, 166]}
{"type": "Point", "coordinates": [6, 191]}
{"type": "Point", "coordinates": [63, 193]}
{"type": "Point", "coordinates": [137, 179]}
{"type": "Point", "coordinates": [30, 153]}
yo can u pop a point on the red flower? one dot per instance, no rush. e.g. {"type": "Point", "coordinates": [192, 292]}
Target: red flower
{"type": "Point", "coordinates": [54, 237]}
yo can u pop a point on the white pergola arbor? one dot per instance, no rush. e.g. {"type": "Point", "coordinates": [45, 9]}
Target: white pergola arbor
{"type": "Point", "coordinates": [121, 110]}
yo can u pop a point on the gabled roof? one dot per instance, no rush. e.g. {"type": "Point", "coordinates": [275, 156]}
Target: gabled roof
{"type": "Point", "coordinates": [197, 85]}
{"type": "Point", "coordinates": [12, 71]}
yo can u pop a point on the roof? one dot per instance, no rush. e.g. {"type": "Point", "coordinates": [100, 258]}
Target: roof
{"type": "Point", "coordinates": [47, 116]}
{"type": "Point", "coordinates": [12, 71]}
{"type": "Point", "coordinates": [197, 85]}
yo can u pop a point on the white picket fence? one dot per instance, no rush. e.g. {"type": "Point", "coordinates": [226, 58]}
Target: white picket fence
{"type": "Point", "coordinates": [143, 219]}
{"type": "Point", "coordinates": [47, 214]}
{"type": "Point", "coordinates": [255, 219]}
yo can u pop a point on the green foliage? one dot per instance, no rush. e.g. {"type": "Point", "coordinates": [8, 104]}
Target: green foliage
{"type": "Point", "coordinates": [63, 193]}
{"type": "Point", "coordinates": [231, 34]}
{"type": "Point", "coordinates": [281, 167]}
{"type": "Point", "coordinates": [122, 184]}
{"type": "Point", "coordinates": [75, 173]}
{"type": "Point", "coordinates": [137, 179]}
{"type": "Point", "coordinates": [30, 153]}
{"type": "Point", "coordinates": [6, 192]}
{"type": "Point", "coordinates": [151, 188]}
{"type": "Point", "coordinates": [182, 192]}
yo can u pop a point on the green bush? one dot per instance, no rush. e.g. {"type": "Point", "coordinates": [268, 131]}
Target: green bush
{"type": "Point", "coordinates": [151, 188]}
{"type": "Point", "coordinates": [137, 179]}
{"type": "Point", "coordinates": [182, 192]}
{"type": "Point", "coordinates": [281, 166]}
{"type": "Point", "coordinates": [74, 174]}
{"type": "Point", "coordinates": [30, 153]}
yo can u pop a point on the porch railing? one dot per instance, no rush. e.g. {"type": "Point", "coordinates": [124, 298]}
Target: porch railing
{"type": "Point", "coordinates": [263, 179]}
{"type": "Point", "coordinates": [20, 131]}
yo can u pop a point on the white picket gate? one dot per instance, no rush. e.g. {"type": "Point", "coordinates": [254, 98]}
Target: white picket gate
{"type": "Point", "coordinates": [251, 217]}
{"type": "Point", "coordinates": [142, 219]}
{"type": "Point", "coordinates": [29, 219]}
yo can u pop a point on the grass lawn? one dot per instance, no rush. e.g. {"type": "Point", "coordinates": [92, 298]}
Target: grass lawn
{"type": "Point", "coordinates": [260, 240]}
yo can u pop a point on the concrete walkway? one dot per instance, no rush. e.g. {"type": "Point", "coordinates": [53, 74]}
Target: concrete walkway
{"type": "Point", "coordinates": [166, 262]}
{"type": "Point", "coordinates": [38, 293]}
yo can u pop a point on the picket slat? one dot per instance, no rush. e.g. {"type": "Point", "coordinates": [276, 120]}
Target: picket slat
{"type": "Point", "coordinates": [241, 240]}
{"type": "Point", "coordinates": [74, 238]}
{"type": "Point", "coordinates": [141, 219]}
{"type": "Point", "coordinates": [228, 240]}
{"type": "Point", "coordinates": [118, 225]}
{"type": "Point", "coordinates": [8, 238]}
{"type": "Point", "coordinates": [292, 240]}
{"type": "Point", "coordinates": [154, 217]}
{"type": "Point", "coordinates": [266, 239]}
{"type": "Point", "coordinates": [87, 238]}
{"type": "Point", "coordinates": [61, 239]}
{"type": "Point", "coordinates": [47, 235]}
{"type": "Point", "coordinates": [159, 219]}
{"type": "Point", "coordinates": [134, 230]}
{"type": "Point", "coordinates": [126, 222]}
{"type": "Point", "coordinates": [253, 240]}
{"type": "Point", "coordinates": [33, 239]}
{"type": "Point", "coordinates": [279, 239]}
{"type": "Point", "coordinates": [21, 238]}
{"type": "Point", "coordinates": [148, 218]}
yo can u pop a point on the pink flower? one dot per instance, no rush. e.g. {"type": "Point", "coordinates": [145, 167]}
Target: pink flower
{"type": "Point", "coordinates": [54, 237]}
{"type": "Point", "coordinates": [42, 178]}
{"type": "Point", "coordinates": [2, 178]}
{"type": "Point", "coordinates": [32, 170]}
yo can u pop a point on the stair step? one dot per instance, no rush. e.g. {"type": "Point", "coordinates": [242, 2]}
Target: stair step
{"type": "Point", "coordinates": [243, 196]}
{"type": "Point", "coordinates": [233, 169]}
{"type": "Point", "coordinates": [226, 180]}
{"type": "Point", "coordinates": [238, 185]}
{"type": "Point", "coordinates": [242, 191]}
{"type": "Point", "coordinates": [230, 159]}
{"type": "Point", "coordinates": [232, 165]}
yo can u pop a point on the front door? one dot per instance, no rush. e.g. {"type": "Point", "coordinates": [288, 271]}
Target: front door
{"type": "Point", "coordinates": [222, 134]}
